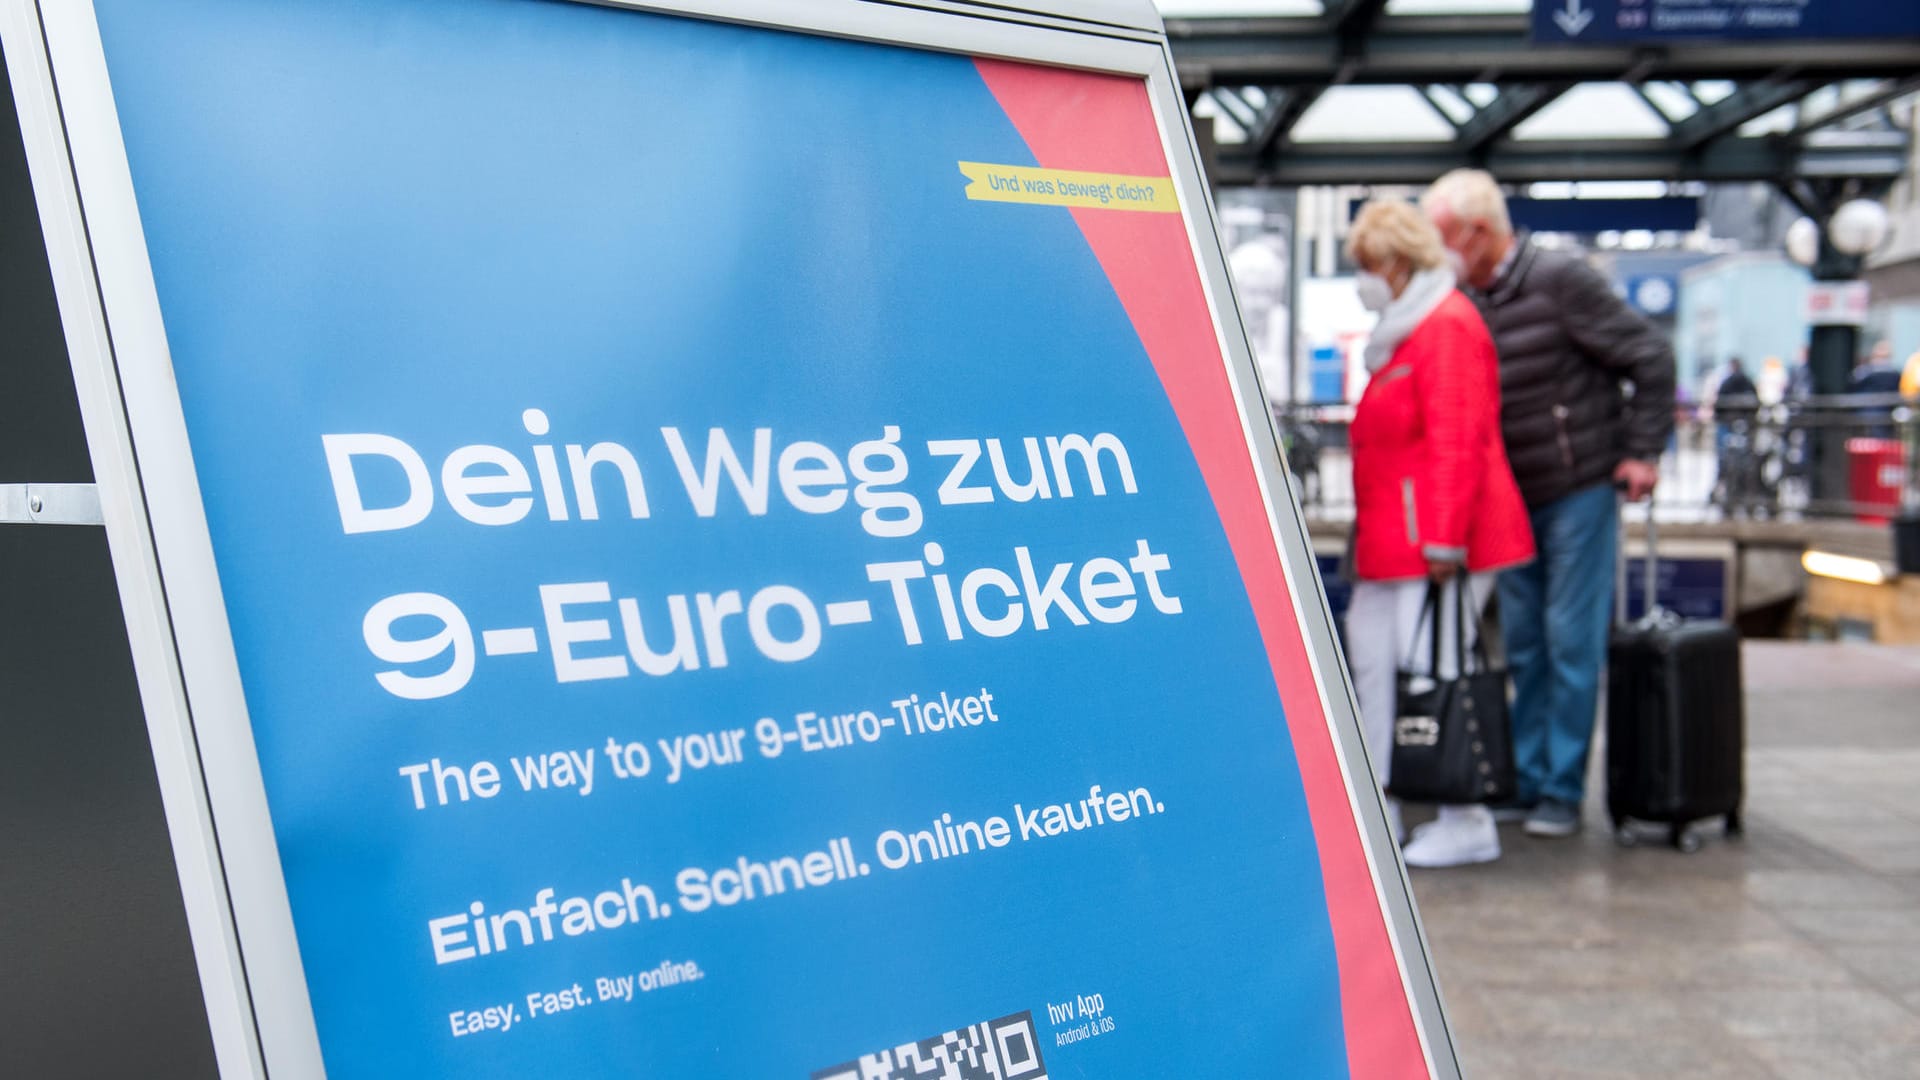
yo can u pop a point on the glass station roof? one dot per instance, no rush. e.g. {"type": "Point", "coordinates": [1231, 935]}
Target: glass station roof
{"type": "Point", "coordinates": [1373, 114]}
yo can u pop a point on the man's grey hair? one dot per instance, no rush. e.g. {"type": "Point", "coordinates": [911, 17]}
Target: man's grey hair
{"type": "Point", "coordinates": [1470, 195]}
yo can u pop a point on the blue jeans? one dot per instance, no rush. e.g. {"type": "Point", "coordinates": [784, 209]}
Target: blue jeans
{"type": "Point", "coordinates": [1555, 613]}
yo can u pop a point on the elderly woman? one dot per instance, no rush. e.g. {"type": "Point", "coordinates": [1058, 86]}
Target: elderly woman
{"type": "Point", "coordinates": [1432, 489]}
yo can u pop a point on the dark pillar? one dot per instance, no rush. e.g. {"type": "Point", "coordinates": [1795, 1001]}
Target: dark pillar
{"type": "Point", "coordinates": [1831, 351]}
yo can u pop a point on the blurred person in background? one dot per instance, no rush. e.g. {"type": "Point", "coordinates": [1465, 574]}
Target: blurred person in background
{"type": "Point", "coordinates": [1772, 383]}
{"type": "Point", "coordinates": [1569, 350]}
{"type": "Point", "coordinates": [1736, 390]}
{"type": "Point", "coordinates": [1736, 405]}
{"type": "Point", "coordinates": [1432, 490]}
{"type": "Point", "coordinates": [1876, 374]}
{"type": "Point", "coordinates": [1800, 379]}
{"type": "Point", "coordinates": [1795, 463]}
{"type": "Point", "coordinates": [1734, 383]}
{"type": "Point", "coordinates": [1735, 401]}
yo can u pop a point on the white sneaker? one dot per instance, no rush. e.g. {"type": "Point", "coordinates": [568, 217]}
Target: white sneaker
{"type": "Point", "coordinates": [1460, 836]}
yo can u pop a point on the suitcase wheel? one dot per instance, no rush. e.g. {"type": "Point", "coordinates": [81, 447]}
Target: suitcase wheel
{"type": "Point", "coordinates": [1624, 835]}
{"type": "Point", "coordinates": [1683, 839]}
{"type": "Point", "coordinates": [1735, 828]}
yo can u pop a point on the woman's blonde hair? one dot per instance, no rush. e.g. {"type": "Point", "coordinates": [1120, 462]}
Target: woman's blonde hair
{"type": "Point", "coordinates": [1389, 229]}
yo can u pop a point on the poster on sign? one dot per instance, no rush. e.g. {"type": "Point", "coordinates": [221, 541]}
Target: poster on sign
{"type": "Point", "coordinates": [714, 539]}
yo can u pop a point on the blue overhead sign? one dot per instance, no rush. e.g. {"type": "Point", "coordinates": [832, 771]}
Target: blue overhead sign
{"type": "Point", "coordinates": [1582, 21]}
{"type": "Point", "coordinates": [1680, 213]}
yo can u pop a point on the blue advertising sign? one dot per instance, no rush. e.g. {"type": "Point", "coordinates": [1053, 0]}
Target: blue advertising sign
{"type": "Point", "coordinates": [1693, 588]}
{"type": "Point", "coordinates": [1577, 21]}
{"type": "Point", "coordinates": [736, 552]}
{"type": "Point", "coordinates": [1654, 295]}
{"type": "Point", "coordinates": [1676, 213]}
{"type": "Point", "coordinates": [1673, 213]}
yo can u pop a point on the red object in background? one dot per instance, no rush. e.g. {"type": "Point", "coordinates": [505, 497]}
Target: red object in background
{"type": "Point", "coordinates": [1878, 471]}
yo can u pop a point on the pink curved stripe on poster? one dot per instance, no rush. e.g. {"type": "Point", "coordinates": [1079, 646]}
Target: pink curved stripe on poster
{"type": "Point", "coordinates": [1103, 123]}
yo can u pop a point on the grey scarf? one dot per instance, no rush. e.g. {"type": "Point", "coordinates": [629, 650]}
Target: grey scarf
{"type": "Point", "coordinates": [1423, 293]}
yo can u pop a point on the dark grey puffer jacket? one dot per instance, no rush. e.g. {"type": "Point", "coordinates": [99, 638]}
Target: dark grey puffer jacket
{"type": "Point", "coordinates": [1568, 350]}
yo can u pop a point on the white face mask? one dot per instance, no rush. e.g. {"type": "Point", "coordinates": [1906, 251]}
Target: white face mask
{"type": "Point", "coordinates": [1459, 264]}
{"type": "Point", "coordinates": [1375, 293]}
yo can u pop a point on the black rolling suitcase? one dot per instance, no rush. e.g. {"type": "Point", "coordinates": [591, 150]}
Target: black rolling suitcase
{"type": "Point", "coordinates": [1676, 717]}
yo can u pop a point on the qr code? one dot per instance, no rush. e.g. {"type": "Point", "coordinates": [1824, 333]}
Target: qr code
{"type": "Point", "coordinates": [1003, 1049]}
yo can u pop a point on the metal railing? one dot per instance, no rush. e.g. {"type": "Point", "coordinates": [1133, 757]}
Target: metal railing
{"type": "Point", "coordinates": [1838, 456]}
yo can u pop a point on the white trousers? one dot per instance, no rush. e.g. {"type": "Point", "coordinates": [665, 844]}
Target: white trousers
{"type": "Point", "coordinates": [1384, 631]}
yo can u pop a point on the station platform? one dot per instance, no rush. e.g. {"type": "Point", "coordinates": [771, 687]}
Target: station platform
{"type": "Point", "coordinates": [1793, 952]}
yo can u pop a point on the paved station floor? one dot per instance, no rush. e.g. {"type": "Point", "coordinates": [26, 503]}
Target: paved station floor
{"type": "Point", "coordinates": [1791, 953]}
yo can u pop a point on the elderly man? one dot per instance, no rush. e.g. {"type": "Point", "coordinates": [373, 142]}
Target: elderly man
{"type": "Point", "coordinates": [1586, 407]}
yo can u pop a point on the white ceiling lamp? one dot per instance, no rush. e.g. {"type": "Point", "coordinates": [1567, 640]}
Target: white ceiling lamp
{"type": "Point", "coordinates": [1858, 227]}
{"type": "Point", "coordinates": [1803, 241]}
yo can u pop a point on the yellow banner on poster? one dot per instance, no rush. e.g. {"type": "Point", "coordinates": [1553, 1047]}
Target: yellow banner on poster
{"type": "Point", "coordinates": [1065, 187]}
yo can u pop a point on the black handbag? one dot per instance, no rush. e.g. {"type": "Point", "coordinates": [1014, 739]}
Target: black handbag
{"type": "Point", "coordinates": [1451, 740]}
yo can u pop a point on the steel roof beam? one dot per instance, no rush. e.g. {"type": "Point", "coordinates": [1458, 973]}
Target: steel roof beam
{"type": "Point", "coordinates": [1352, 18]}
{"type": "Point", "coordinates": [1438, 104]}
{"type": "Point", "coordinates": [1238, 108]}
{"type": "Point", "coordinates": [1749, 102]}
{"type": "Point", "coordinates": [1724, 160]}
{"type": "Point", "coordinates": [1416, 49]}
{"type": "Point", "coordinates": [1653, 104]}
{"type": "Point", "coordinates": [1508, 111]}
{"type": "Point", "coordinates": [1889, 91]}
{"type": "Point", "coordinates": [1283, 112]}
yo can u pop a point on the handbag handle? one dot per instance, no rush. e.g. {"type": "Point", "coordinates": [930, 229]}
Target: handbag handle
{"type": "Point", "coordinates": [1464, 587]}
{"type": "Point", "coordinates": [1430, 618]}
{"type": "Point", "coordinates": [1429, 621]}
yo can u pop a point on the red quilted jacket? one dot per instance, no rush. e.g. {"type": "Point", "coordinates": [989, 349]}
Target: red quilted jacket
{"type": "Point", "coordinates": [1430, 473]}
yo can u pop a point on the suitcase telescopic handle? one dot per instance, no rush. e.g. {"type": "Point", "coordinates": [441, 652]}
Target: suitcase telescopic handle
{"type": "Point", "coordinates": [1653, 559]}
{"type": "Point", "coordinates": [1652, 582]}
{"type": "Point", "coordinates": [1620, 564]}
